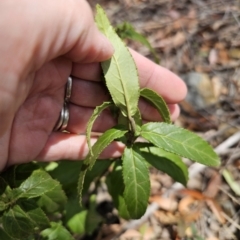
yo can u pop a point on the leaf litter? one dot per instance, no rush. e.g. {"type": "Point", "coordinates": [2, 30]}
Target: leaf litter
{"type": "Point", "coordinates": [200, 41]}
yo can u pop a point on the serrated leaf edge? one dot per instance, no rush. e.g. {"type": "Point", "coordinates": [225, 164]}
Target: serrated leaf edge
{"type": "Point", "coordinates": [129, 113]}
{"type": "Point", "coordinates": [38, 170]}
{"type": "Point", "coordinates": [124, 180]}
{"type": "Point", "coordinates": [200, 139]}
{"type": "Point", "coordinates": [97, 111]}
{"type": "Point", "coordinates": [90, 161]}
{"type": "Point", "coordinates": [167, 118]}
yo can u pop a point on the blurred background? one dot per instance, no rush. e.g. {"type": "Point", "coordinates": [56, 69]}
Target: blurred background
{"type": "Point", "coordinates": [199, 40]}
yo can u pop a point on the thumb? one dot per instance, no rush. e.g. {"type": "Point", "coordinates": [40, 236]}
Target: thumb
{"type": "Point", "coordinates": [35, 32]}
{"type": "Point", "coordinates": [76, 35]}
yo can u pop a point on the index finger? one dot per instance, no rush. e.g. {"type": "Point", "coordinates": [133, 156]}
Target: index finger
{"type": "Point", "coordinates": [159, 79]}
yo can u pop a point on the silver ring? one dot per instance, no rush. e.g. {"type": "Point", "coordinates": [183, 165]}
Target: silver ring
{"type": "Point", "coordinates": [68, 91]}
{"type": "Point", "coordinates": [63, 119]}
{"type": "Point", "coordinates": [59, 121]}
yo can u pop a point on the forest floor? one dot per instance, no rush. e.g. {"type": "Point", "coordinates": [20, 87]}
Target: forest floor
{"type": "Point", "coordinates": [199, 40]}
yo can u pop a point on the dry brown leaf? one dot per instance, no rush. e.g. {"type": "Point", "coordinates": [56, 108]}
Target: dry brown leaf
{"type": "Point", "coordinates": [237, 164]}
{"type": "Point", "coordinates": [190, 209]}
{"type": "Point", "coordinates": [166, 218]}
{"type": "Point", "coordinates": [213, 185]}
{"type": "Point", "coordinates": [218, 24]}
{"type": "Point", "coordinates": [192, 193]}
{"type": "Point", "coordinates": [217, 86]}
{"type": "Point", "coordinates": [205, 89]}
{"type": "Point", "coordinates": [130, 234]}
{"type": "Point", "coordinates": [189, 232]}
{"type": "Point", "coordinates": [234, 53]}
{"type": "Point", "coordinates": [174, 14]}
{"type": "Point", "coordinates": [168, 204]}
{"type": "Point", "coordinates": [220, 45]}
{"type": "Point", "coordinates": [172, 42]}
{"type": "Point", "coordinates": [148, 234]}
{"type": "Point", "coordinates": [223, 57]}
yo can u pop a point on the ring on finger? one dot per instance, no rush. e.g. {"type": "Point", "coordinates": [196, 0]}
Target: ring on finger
{"type": "Point", "coordinates": [63, 119]}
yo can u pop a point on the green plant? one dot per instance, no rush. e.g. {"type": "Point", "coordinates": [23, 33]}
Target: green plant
{"type": "Point", "coordinates": [40, 201]}
{"type": "Point", "coordinates": [127, 31]}
{"type": "Point", "coordinates": [164, 141]}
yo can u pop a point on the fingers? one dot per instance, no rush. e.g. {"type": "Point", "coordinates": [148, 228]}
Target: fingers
{"type": "Point", "coordinates": [151, 75]}
{"type": "Point", "coordinates": [74, 147]}
{"type": "Point", "coordinates": [91, 92]}
{"type": "Point", "coordinates": [79, 117]}
{"type": "Point", "coordinates": [88, 43]}
{"type": "Point", "coordinates": [51, 29]}
{"type": "Point", "coordinates": [89, 71]}
{"type": "Point", "coordinates": [150, 113]}
{"type": "Point", "coordinates": [88, 93]}
{"type": "Point", "coordinates": [159, 79]}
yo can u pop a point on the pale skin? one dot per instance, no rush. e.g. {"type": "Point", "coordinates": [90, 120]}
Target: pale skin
{"type": "Point", "coordinates": [42, 42]}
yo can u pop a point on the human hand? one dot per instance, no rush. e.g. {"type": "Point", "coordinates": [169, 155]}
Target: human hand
{"type": "Point", "coordinates": [43, 42]}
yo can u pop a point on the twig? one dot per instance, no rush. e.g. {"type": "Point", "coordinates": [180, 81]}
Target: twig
{"type": "Point", "coordinates": [229, 195]}
{"type": "Point", "coordinates": [230, 220]}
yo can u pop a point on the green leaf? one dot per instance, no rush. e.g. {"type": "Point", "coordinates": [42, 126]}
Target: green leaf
{"type": "Point", "coordinates": [3, 206]}
{"type": "Point", "coordinates": [103, 141]}
{"type": "Point", "coordinates": [9, 176]}
{"type": "Point", "coordinates": [3, 186]}
{"type": "Point", "coordinates": [158, 102]}
{"type": "Point", "coordinates": [23, 171]}
{"type": "Point", "coordinates": [53, 200]}
{"type": "Point", "coordinates": [99, 168]}
{"type": "Point", "coordinates": [6, 198]}
{"type": "Point", "coordinates": [115, 178]}
{"type": "Point", "coordinates": [72, 207]}
{"type": "Point", "coordinates": [85, 221]}
{"type": "Point", "coordinates": [37, 184]}
{"type": "Point", "coordinates": [56, 232]}
{"type": "Point", "coordinates": [181, 142]}
{"type": "Point", "coordinates": [67, 174]}
{"type": "Point", "coordinates": [5, 236]}
{"type": "Point", "coordinates": [127, 31]}
{"type": "Point", "coordinates": [93, 219]}
{"type": "Point", "coordinates": [17, 223]}
{"type": "Point", "coordinates": [120, 71]}
{"type": "Point", "coordinates": [14, 195]}
{"type": "Point", "coordinates": [166, 162]}
{"type": "Point", "coordinates": [97, 111]}
{"type": "Point", "coordinates": [134, 123]}
{"type": "Point", "coordinates": [122, 120]}
{"type": "Point", "coordinates": [35, 213]}
{"type": "Point", "coordinates": [77, 223]}
{"type": "Point", "coordinates": [136, 180]}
